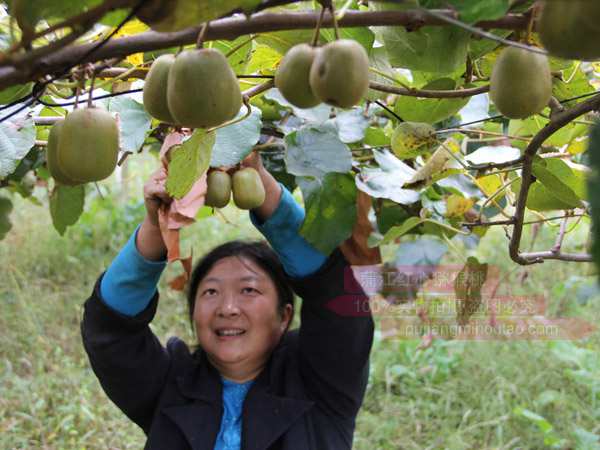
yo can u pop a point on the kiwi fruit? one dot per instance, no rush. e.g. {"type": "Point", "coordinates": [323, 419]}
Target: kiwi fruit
{"type": "Point", "coordinates": [52, 156]}
{"type": "Point", "coordinates": [410, 139]}
{"type": "Point", "coordinates": [248, 190]}
{"type": "Point", "coordinates": [570, 29]}
{"type": "Point", "coordinates": [291, 77]}
{"type": "Point", "coordinates": [218, 190]}
{"type": "Point", "coordinates": [521, 83]}
{"type": "Point", "coordinates": [202, 89]}
{"type": "Point", "coordinates": [339, 75]}
{"type": "Point", "coordinates": [88, 145]}
{"type": "Point", "coordinates": [155, 89]}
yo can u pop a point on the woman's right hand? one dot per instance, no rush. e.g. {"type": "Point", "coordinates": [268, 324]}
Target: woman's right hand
{"type": "Point", "coordinates": [155, 195]}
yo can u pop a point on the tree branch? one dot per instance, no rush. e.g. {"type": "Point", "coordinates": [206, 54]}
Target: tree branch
{"type": "Point", "coordinates": [230, 28]}
{"type": "Point", "coordinates": [537, 257]}
{"type": "Point", "coordinates": [557, 122]}
{"type": "Point", "coordinates": [424, 93]}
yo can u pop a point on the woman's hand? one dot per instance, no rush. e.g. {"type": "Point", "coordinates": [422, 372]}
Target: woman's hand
{"type": "Point", "coordinates": [272, 188]}
{"type": "Point", "coordinates": [149, 240]}
{"type": "Point", "coordinates": [155, 195]}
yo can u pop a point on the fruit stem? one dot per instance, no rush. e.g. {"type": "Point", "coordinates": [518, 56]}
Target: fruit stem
{"type": "Point", "coordinates": [315, 39]}
{"type": "Point", "coordinates": [335, 22]}
{"type": "Point", "coordinates": [90, 102]}
{"type": "Point", "coordinates": [202, 35]}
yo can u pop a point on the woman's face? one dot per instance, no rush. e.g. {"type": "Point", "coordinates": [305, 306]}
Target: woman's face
{"type": "Point", "coordinates": [236, 295]}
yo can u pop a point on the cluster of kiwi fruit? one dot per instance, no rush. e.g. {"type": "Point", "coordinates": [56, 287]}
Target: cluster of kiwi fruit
{"type": "Point", "coordinates": [245, 184]}
{"type": "Point", "coordinates": [195, 89]}
{"type": "Point", "coordinates": [83, 147]}
{"type": "Point", "coordinates": [336, 73]}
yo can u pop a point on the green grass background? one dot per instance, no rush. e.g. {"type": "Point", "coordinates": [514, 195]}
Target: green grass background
{"type": "Point", "coordinates": [452, 395]}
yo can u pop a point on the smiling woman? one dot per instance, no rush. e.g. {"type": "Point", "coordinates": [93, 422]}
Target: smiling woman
{"type": "Point", "coordinates": [249, 382]}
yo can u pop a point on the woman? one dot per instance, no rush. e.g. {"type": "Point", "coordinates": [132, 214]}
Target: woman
{"type": "Point", "coordinates": [251, 383]}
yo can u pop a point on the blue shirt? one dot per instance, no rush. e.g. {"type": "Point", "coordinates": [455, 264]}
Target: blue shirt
{"type": "Point", "coordinates": [230, 434]}
{"type": "Point", "coordinates": [130, 283]}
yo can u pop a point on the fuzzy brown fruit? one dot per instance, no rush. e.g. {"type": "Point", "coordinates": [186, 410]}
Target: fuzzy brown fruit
{"type": "Point", "coordinates": [202, 90]}
{"type": "Point", "coordinates": [155, 88]}
{"type": "Point", "coordinates": [52, 156]}
{"type": "Point", "coordinates": [339, 75]}
{"type": "Point", "coordinates": [89, 145]}
{"type": "Point", "coordinates": [521, 83]}
{"type": "Point", "coordinates": [218, 190]}
{"type": "Point", "coordinates": [291, 77]}
{"type": "Point", "coordinates": [571, 29]}
{"type": "Point", "coordinates": [248, 190]}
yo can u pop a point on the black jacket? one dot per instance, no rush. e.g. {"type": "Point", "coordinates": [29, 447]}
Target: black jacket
{"type": "Point", "coordinates": [307, 397]}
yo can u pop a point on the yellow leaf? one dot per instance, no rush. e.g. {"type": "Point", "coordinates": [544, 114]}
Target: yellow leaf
{"type": "Point", "coordinates": [578, 146]}
{"type": "Point", "coordinates": [457, 205]}
{"type": "Point", "coordinates": [130, 28]}
{"type": "Point", "coordinates": [489, 184]}
{"type": "Point", "coordinates": [136, 59]}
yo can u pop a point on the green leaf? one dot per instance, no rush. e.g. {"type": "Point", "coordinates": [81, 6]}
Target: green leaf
{"type": "Point", "coordinates": [430, 49]}
{"type": "Point", "coordinates": [188, 162]}
{"type": "Point", "coordinates": [351, 125]}
{"type": "Point", "coordinates": [561, 180]}
{"type": "Point", "coordinates": [430, 110]}
{"type": "Point", "coordinates": [388, 180]}
{"type": "Point", "coordinates": [263, 60]}
{"type": "Point", "coordinates": [66, 205]}
{"type": "Point", "coordinates": [541, 198]}
{"type": "Point", "coordinates": [423, 251]}
{"type": "Point", "coordinates": [493, 154]}
{"type": "Point", "coordinates": [187, 13]}
{"type": "Point", "coordinates": [531, 126]}
{"type": "Point", "coordinates": [400, 230]}
{"type": "Point", "coordinates": [15, 92]}
{"type": "Point", "coordinates": [378, 60]}
{"type": "Point", "coordinates": [472, 11]}
{"type": "Point", "coordinates": [16, 139]}
{"type": "Point", "coordinates": [31, 12]}
{"type": "Point", "coordinates": [282, 41]}
{"type": "Point", "coordinates": [316, 115]}
{"type": "Point", "coordinates": [134, 122]}
{"type": "Point", "coordinates": [239, 59]}
{"type": "Point", "coordinates": [376, 137]}
{"type": "Point", "coordinates": [578, 84]}
{"type": "Point", "coordinates": [330, 210]}
{"type": "Point", "coordinates": [234, 142]}
{"type": "Point", "coordinates": [390, 214]}
{"type": "Point", "coordinates": [315, 150]}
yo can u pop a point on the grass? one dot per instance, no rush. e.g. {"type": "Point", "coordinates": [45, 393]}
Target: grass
{"type": "Point", "coordinates": [452, 395]}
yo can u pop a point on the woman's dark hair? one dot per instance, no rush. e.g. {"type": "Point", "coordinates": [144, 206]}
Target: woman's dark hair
{"type": "Point", "coordinates": [258, 252]}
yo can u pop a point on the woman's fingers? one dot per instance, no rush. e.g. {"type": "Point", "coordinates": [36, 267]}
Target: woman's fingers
{"type": "Point", "coordinates": [155, 194]}
{"type": "Point", "coordinates": [253, 160]}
